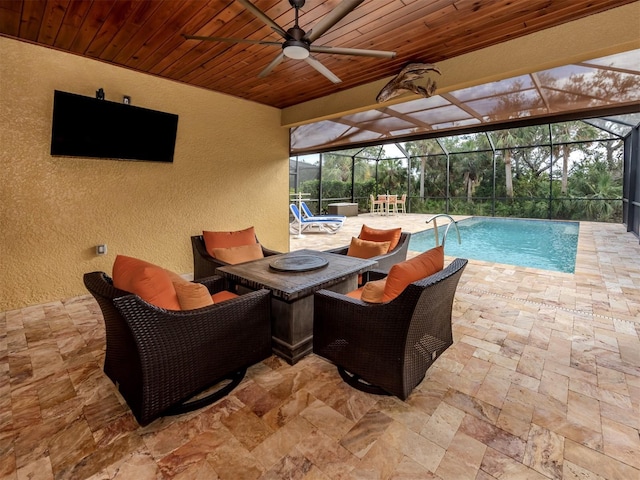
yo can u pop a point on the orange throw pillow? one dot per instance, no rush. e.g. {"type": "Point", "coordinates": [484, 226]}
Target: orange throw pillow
{"type": "Point", "coordinates": [373, 292]}
{"type": "Point", "coordinates": [150, 282]}
{"type": "Point", "coordinates": [377, 235]}
{"type": "Point", "coordinates": [234, 255]}
{"type": "Point", "coordinates": [367, 249]}
{"type": "Point", "coordinates": [409, 271]}
{"type": "Point", "coordinates": [228, 239]}
{"type": "Point", "coordinates": [192, 295]}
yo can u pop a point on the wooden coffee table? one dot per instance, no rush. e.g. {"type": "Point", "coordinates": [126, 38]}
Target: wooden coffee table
{"type": "Point", "coordinates": [293, 279]}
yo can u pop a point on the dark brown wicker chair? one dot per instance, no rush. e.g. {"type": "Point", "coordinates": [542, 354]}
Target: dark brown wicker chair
{"type": "Point", "coordinates": [388, 260]}
{"type": "Point", "coordinates": [160, 359]}
{"type": "Point", "coordinates": [204, 265]}
{"type": "Point", "coordinates": [387, 348]}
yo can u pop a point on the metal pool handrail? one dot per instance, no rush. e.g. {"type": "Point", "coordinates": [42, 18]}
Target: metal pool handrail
{"type": "Point", "coordinates": [435, 228]}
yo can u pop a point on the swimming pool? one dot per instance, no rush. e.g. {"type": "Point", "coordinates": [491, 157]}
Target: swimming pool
{"type": "Point", "coordinates": [548, 245]}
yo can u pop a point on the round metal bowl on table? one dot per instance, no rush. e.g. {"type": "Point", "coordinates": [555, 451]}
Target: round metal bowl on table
{"type": "Point", "coordinates": [298, 263]}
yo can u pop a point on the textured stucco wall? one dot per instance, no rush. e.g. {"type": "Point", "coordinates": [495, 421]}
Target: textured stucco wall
{"type": "Point", "coordinates": [230, 171]}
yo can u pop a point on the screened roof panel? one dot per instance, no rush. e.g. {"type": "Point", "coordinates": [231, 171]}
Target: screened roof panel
{"type": "Point", "coordinates": [420, 105]}
{"type": "Point", "coordinates": [598, 85]}
{"type": "Point", "coordinates": [561, 101]}
{"type": "Point", "coordinates": [360, 135]}
{"type": "Point", "coordinates": [385, 125]}
{"type": "Point", "coordinates": [446, 113]}
{"type": "Point", "coordinates": [524, 102]}
{"type": "Point", "coordinates": [316, 133]}
{"type": "Point", "coordinates": [618, 60]}
{"type": "Point", "coordinates": [365, 116]}
{"type": "Point", "coordinates": [495, 89]}
{"type": "Point", "coordinates": [399, 133]}
{"type": "Point", "coordinates": [456, 124]}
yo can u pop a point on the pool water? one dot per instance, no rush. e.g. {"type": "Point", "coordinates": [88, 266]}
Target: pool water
{"type": "Point", "coordinates": [548, 245]}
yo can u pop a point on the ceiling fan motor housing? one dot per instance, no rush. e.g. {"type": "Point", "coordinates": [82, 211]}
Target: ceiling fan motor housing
{"type": "Point", "coordinates": [296, 47]}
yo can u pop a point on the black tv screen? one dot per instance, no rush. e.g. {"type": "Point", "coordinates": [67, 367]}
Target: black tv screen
{"type": "Point", "coordinates": [87, 127]}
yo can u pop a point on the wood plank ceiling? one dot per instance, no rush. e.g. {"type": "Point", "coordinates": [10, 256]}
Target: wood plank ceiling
{"type": "Point", "coordinates": [147, 36]}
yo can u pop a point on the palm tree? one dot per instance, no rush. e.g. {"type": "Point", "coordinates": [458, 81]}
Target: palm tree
{"type": "Point", "coordinates": [506, 139]}
{"type": "Point", "coordinates": [423, 150]}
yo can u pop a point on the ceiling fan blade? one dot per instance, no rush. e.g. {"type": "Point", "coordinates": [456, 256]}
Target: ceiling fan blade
{"type": "Point", "coordinates": [331, 18]}
{"type": "Point", "coordinates": [353, 51]}
{"type": "Point", "coordinates": [274, 63]}
{"type": "Point", "coordinates": [265, 19]}
{"type": "Point", "coordinates": [230, 40]}
{"type": "Point", "coordinates": [322, 69]}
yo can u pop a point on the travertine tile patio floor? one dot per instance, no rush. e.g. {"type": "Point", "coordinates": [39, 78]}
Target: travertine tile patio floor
{"type": "Point", "coordinates": [543, 381]}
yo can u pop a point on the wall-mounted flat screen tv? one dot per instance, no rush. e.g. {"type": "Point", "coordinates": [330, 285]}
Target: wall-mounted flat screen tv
{"type": "Point", "coordinates": [87, 127]}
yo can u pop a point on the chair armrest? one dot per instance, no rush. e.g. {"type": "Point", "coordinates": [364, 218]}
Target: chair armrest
{"type": "Point", "coordinates": [397, 255]}
{"type": "Point", "coordinates": [129, 304]}
{"type": "Point", "coordinates": [204, 265]}
{"type": "Point", "coordinates": [375, 275]}
{"type": "Point", "coordinates": [339, 250]}
{"type": "Point", "coordinates": [267, 252]}
{"type": "Point", "coordinates": [214, 284]}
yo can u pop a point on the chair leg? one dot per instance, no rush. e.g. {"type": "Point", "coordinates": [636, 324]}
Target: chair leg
{"type": "Point", "coordinates": [359, 384]}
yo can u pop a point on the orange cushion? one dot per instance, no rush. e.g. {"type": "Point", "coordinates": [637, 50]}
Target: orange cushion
{"type": "Point", "coordinates": [222, 296]}
{"type": "Point", "coordinates": [233, 255]}
{"type": "Point", "coordinates": [150, 282]}
{"type": "Point", "coordinates": [192, 295]}
{"type": "Point", "coordinates": [229, 239]}
{"type": "Point", "coordinates": [357, 294]}
{"type": "Point", "coordinates": [175, 278]}
{"type": "Point", "coordinates": [373, 292]}
{"type": "Point", "coordinates": [377, 235]}
{"type": "Point", "coordinates": [409, 271]}
{"type": "Point", "coordinates": [367, 249]}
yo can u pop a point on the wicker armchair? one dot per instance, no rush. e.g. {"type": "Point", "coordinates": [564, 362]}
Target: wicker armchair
{"type": "Point", "coordinates": [204, 265]}
{"type": "Point", "coordinates": [388, 260]}
{"type": "Point", "coordinates": [159, 359]}
{"type": "Point", "coordinates": [387, 348]}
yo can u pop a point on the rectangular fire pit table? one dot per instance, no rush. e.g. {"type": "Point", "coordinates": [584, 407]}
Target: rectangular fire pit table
{"type": "Point", "coordinates": [293, 278]}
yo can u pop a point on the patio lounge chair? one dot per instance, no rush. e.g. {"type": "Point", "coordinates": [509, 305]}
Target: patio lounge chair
{"type": "Point", "coordinates": [204, 265]}
{"type": "Point", "coordinates": [387, 260]}
{"type": "Point", "coordinates": [386, 348]}
{"type": "Point", "coordinates": [308, 214]}
{"type": "Point", "coordinates": [163, 361]}
{"type": "Point", "coordinates": [301, 224]}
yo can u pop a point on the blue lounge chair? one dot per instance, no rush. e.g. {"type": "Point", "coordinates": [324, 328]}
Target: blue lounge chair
{"type": "Point", "coordinates": [301, 224]}
{"type": "Point", "coordinates": [308, 214]}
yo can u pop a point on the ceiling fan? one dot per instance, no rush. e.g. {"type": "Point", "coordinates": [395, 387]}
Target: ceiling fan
{"type": "Point", "coordinates": [298, 44]}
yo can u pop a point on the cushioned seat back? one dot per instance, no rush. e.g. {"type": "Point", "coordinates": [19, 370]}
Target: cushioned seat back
{"type": "Point", "coordinates": [150, 282]}
{"type": "Point", "coordinates": [400, 276]}
{"type": "Point", "coordinates": [233, 247]}
{"type": "Point", "coordinates": [378, 235]}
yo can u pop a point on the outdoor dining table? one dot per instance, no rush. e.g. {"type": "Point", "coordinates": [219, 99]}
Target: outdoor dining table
{"type": "Point", "coordinates": [389, 200]}
{"type": "Point", "coordinates": [293, 278]}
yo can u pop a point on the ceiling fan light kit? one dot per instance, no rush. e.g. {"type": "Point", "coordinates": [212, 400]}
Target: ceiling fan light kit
{"type": "Point", "coordinates": [295, 49]}
{"type": "Point", "coordinates": [298, 44]}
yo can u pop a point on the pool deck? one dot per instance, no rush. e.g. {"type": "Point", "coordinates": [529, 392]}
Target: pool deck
{"type": "Point", "coordinates": [542, 382]}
